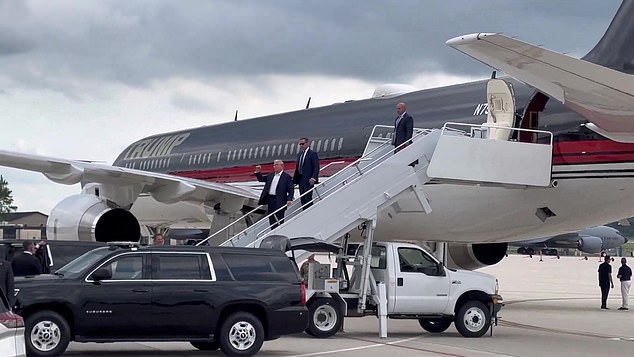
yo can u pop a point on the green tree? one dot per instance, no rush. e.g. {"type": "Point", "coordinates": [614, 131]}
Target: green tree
{"type": "Point", "coordinates": [6, 199]}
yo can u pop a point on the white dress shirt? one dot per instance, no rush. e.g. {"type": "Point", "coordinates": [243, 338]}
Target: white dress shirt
{"type": "Point", "coordinates": [273, 187]}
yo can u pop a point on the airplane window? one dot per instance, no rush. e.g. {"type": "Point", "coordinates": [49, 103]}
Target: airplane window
{"type": "Point", "coordinates": [250, 152]}
{"type": "Point", "coordinates": [340, 144]}
{"type": "Point", "coordinates": [168, 161]}
{"type": "Point", "coordinates": [318, 148]}
{"type": "Point", "coordinates": [326, 145]}
{"type": "Point", "coordinates": [332, 144]}
{"type": "Point", "coordinates": [285, 149]}
{"type": "Point", "coordinates": [233, 156]}
{"type": "Point", "coordinates": [279, 150]}
{"type": "Point", "coordinates": [218, 158]}
{"type": "Point", "coordinates": [268, 148]}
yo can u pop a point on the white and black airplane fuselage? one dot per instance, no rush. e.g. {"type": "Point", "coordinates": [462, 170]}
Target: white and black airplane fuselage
{"type": "Point", "coordinates": [207, 170]}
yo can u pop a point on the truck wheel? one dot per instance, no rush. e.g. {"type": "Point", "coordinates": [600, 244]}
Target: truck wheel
{"type": "Point", "coordinates": [205, 346]}
{"type": "Point", "coordinates": [324, 318]}
{"type": "Point", "coordinates": [435, 325]}
{"type": "Point", "coordinates": [241, 334]}
{"type": "Point", "coordinates": [47, 334]}
{"type": "Point", "coordinates": [473, 319]}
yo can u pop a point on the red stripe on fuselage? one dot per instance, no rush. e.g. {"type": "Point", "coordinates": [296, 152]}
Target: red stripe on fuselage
{"type": "Point", "coordinates": [592, 152]}
{"type": "Point", "coordinates": [564, 153]}
{"type": "Point", "coordinates": [245, 173]}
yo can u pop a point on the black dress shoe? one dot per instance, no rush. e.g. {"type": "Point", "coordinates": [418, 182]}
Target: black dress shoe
{"type": "Point", "coordinates": [623, 308]}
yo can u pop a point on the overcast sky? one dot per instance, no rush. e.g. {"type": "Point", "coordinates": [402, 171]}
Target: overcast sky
{"type": "Point", "coordinates": [83, 79]}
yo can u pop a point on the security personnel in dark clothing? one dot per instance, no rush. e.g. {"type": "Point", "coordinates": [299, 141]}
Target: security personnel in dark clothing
{"type": "Point", "coordinates": [605, 280]}
{"type": "Point", "coordinates": [6, 281]}
{"type": "Point", "coordinates": [27, 263]}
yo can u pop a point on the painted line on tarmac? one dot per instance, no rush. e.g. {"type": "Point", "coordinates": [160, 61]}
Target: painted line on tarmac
{"type": "Point", "coordinates": [357, 348]}
{"type": "Point", "coordinates": [392, 343]}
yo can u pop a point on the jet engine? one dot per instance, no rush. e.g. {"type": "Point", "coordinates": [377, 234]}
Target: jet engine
{"type": "Point", "coordinates": [86, 217]}
{"type": "Point", "coordinates": [474, 256]}
{"type": "Point", "coordinates": [590, 244]}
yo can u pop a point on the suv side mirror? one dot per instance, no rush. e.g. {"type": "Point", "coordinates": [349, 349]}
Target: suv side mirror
{"type": "Point", "coordinates": [101, 274]}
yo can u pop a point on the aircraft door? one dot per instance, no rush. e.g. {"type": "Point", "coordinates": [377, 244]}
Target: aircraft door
{"type": "Point", "coordinates": [501, 105]}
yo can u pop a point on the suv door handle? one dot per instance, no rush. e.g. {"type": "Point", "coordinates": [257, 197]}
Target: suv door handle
{"type": "Point", "coordinates": [201, 290]}
{"type": "Point", "coordinates": [399, 281]}
{"type": "Point", "coordinates": [140, 290]}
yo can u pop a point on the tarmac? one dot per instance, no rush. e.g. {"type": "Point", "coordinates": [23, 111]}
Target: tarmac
{"type": "Point", "coordinates": [552, 309]}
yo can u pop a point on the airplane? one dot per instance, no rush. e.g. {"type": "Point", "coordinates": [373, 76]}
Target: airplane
{"type": "Point", "coordinates": [590, 240]}
{"type": "Point", "coordinates": [205, 174]}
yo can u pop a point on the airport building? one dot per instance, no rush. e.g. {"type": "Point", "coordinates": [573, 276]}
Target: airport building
{"type": "Point", "coordinates": [23, 225]}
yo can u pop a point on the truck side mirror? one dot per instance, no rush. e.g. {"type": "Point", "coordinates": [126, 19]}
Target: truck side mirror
{"type": "Point", "coordinates": [440, 270]}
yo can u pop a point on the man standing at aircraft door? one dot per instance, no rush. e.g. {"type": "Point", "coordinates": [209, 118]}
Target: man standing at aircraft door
{"type": "Point", "coordinates": [625, 276]}
{"type": "Point", "coordinates": [306, 172]}
{"type": "Point", "coordinates": [605, 280]}
{"type": "Point", "coordinates": [403, 127]}
{"type": "Point", "coordinates": [277, 192]}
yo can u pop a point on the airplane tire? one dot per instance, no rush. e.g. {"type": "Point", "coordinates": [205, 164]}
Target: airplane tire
{"type": "Point", "coordinates": [473, 319]}
{"type": "Point", "coordinates": [324, 318]}
{"type": "Point", "coordinates": [435, 325]}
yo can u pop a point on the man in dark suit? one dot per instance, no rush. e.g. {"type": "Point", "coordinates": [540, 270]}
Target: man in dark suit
{"type": "Point", "coordinates": [306, 171]}
{"type": "Point", "coordinates": [403, 127]}
{"type": "Point", "coordinates": [277, 193]}
{"type": "Point", "coordinates": [6, 281]}
{"type": "Point", "coordinates": [27, 263]}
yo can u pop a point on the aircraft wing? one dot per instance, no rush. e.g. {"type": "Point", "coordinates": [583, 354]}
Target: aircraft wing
{"type": "Point", "coordinates": [602, 95]}
{"type": "Point", "coordinates": [163, 187]}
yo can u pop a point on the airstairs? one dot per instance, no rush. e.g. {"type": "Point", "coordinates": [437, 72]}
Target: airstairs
{"type": "Point", "coordinates": [456, 154]}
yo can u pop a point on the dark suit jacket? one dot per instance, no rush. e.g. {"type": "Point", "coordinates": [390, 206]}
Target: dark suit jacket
{"type": "Point", "coordinates": [26, 264]}
{"type": "Point", "coordinates": [6, 280]}
{"type": "Point", "coordinates": [283, 192]}
{"type": "Point", "coordinates": [310, 168]}
{"type": "Point", "coordinates": [404, 130]}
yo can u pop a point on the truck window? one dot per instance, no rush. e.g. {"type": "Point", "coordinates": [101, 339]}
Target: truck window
{"type": "Point", "coordinates": [260, 268]}
{"type": "Point", "coordinates": [414, 260]}
{"type": "Point", "coordinates": [378, 259]}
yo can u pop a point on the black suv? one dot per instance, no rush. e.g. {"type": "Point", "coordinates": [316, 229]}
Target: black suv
{"type": "Point", "coordinates": [53, 255]}
{"type": "Point", "coordinates": [232, 298]}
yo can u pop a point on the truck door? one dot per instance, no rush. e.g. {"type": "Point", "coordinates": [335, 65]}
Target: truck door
{"type": "Point", "coordinates": [422, 286]}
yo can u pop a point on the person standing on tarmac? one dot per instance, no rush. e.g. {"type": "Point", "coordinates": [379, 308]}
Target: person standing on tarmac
{"type": "Point", "coordinates": [605, 281]}
{"type": "Point", "coordinates": [625, 276]}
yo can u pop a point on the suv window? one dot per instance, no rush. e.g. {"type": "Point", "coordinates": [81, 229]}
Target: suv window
{"type": "Point", "coordinates": [126, 267]}
{"type": "Point", "coordinates": [260, 267]}
{"type": "Point", "coordinates": [182, 267]}
{"type": "Point", "coordinates": [82, 262]}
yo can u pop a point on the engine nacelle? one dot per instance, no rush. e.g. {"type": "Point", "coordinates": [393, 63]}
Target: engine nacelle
{"type": "Point", "coordinates": [474, 256]}
{"type": "Point", "coordinates": [590, 245]}
{"type": "Point", "coordinates": [88, 218]}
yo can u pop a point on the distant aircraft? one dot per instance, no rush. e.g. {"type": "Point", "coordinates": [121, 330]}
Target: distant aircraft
{"type": "Point", "coordinates": [202, 174]}
{"type": "Point", "coordinates": [591, 240]}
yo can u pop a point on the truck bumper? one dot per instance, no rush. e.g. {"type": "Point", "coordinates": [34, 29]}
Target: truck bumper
{"type": "Point", "coordinates": [496, 305]}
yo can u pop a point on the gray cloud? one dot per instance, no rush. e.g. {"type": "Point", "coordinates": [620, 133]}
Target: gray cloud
{"type": "Point", "coordinates": [65, 46]}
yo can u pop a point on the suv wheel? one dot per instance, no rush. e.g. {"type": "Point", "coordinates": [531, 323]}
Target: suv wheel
{"type": "Point", "coordinates": [324, 318]}
{"type": "Point", "coordinates": [241, 334]}
{"type": "Point", "coordinates": [47, 334]}
{"type": "Point", "coordinates": [205, 346]}
{"type": "Point", "coordinates": [473, 319]}
{"type": "Point", "coordinates": [435, 325]}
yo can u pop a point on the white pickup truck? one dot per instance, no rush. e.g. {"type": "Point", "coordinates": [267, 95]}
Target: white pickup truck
{"type": "Point", "coordinates": [400, 281]}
